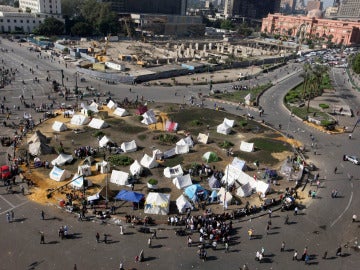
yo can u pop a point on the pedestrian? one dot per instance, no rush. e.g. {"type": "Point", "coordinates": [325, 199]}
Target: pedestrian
{"type": "Point", "coordinates": [269, 212]}
{"type": "Point", "coordinates": [295, 258]}
{"type": "Point", "coordinates": [105, 238]}
{"type": "Point", "coordinates": [97, 236]}
{"type": "Point", "coordinates": [189, 241]}
{"type": "Point", "coordinates": [350, 136]}
{"type": "Point", "coordinates": [250, 233]}
{"type": "Point", "coordinates": [154, 235]}
{"type": "Point", "coordinates": [8, 218]}
{"type": "Point", "coordinates": [296, 211]}
{"type": "Point", "coordinates": [335, 170]}
{"type": "Point", "coordinates": [282, 249]}
{"type": "Point", "coordinates": [149, 242]}
{"type": "Point", "coordinates": [338, 251]}
{"type": "Point", "coordinates": [267, 229]}
{"type": "Point", "coordinates": [75, 267]}
{"type": "Point", "coordinates": [226, 247]}
{"type": "Point", "coordinates": [286, 220]}
{"type": "Point", "coordinates": [307, 258]}
{"type": "Point", "coordinates": [12, 215]}
{"type": "Point", "coordinates": [42, 215]}
{"type": "Point", "coordinates": [42, 238]}
{"type": "Point", "coordinates": [260, 257]}
{"type": "Point", "coordinates": [325, 255]}
{"type": "Point", "coordinates": [354, 217]}
{"type": "Point", "coordinates": [121, 267]}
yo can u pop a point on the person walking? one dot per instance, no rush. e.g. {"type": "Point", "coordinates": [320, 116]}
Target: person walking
{"type": "Point", "coordinates": [226, 247]}
{"type": "Point", "coordinates": [335, 170]}
{"type": "Point", "coordinates": [42, 215]}
{"type": "Point", "coordinates": [105, 238]}
{"type": "Point", "coordinates": [307, 259]}
{"type": "Point", "coordinates": [282, 249]}
{"type": "Point", "coordinates": [12, 216]}
{"type": "Point", "coordinates": [250, 233]}
{"type": "Point", "coordinates": [338, 251]}
{"type": "Point", "coordinates": [354, 217]}
{"type": "Point", "coordinates": [97, 236]}
{"type": "Point", "coordinates": [8, 218]}
{"type": "Point", "coordinates": [189, 241]}
{"type": "Point", "coordinates": [296, 211]}
{"type": "Point", "coordinates": [286, 220]}
{"type": "Point", "coordinates": [42, 238]}
{"type": "Point", "coordinates": [295, 258]}
{"type": "Point", "coordinates": [149, 242]}
{"type": "Point", "coordinates": [269, 212]}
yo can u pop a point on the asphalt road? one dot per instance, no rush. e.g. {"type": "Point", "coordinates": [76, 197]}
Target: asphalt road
{"type": "Point", "coordinates": [322, 226]}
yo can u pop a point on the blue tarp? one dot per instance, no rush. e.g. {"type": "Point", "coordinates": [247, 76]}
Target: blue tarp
{"type": "Point", "coordinates": [130, 196]}
{"type": "Point", "coordinates": [195, 191]}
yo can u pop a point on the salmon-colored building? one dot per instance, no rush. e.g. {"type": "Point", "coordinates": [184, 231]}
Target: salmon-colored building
{"type": "Point", "coordinates": [311, 26]}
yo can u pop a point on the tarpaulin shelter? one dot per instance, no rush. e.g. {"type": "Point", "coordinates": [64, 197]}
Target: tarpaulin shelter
{"type": "Point", "coordinates": [224, 196]}
{"type": "Point", "coordinates": [214, 183]}
{"type": "Point", "coordinates": [246, 147]}
{"type": "Point", "coordinates": [58, 174]}
{"type": "Point", "coordinates": [214, 196]}
{"type": "Point", "coordinates": [59, 126]}
{"type": "Point", "coordinates": [136, 168]}
{"type": "Point", "coordinates": [149, 118]}
{"type": "Point", "coordinates": [171, 126]}
{"type": "Point", "coordinates": [128, 147]}
{"type": "Point", "coordinates": [203, 138]}
{"type": "Point", "coordinates": [210, 157]}
{"type": "Point", "coordinates": [229, 122]}
{"type": "Point", "coordinates": [196, 192]}
{"type": "Point", "coordinates": [186, 141]}
{"type": "Point", "coordinates": [182, 149]}
{"type": "Point", "coordinates": [157, 203]}
{"type": "Point", "coordinates": [239, 163]}
{"type": "Point", "coordinates": [141, 110]}
{"type": "Point", "coordinates": [103, 167]}
{"type": "Point", "coordinates": [120, 112]}
{"type": "Point", "coordinates": [244, 190]}
{"type": "Point", "coordinates": [148, 162]}
{"type": "Point", "coordinates": [104, 141]}
{"type": "Point", "coordinates": [182, 181]}
{"type": "Point", "coordinates": [130, 196]}
{"type": "Point", "coordinates": [40, 148]}
{"type": "Point", "coordinates": [37, 137]}
{"type": "Point", "coordinates": [78, 183]}
{"type": "Point", "coordinates": [171, 172]}
{"type": "Point", "coordinates": [97, 123]}
{"type": "Point", "coordinates": [119, 178]}
{"type": "Point", "coordinates": [84, 170]}
{"type": "Point", "coordinates": [79, 120]}
{"type": "Point", "coordinates": [223, 129]}
{"type": "Point", "coordinates": [62, 159]}
{"type": "Point", "coordinates": [111, 105]}
{"type": "Point", "coordinates": [182, 204]}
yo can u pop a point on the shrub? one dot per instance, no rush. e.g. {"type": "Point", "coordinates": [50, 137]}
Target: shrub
{"type": "Point", "coordinates": [326, 123]}
{"type": "Point", "coordinates": [153, 181]}
{"type": "Point", "coordinates": [120, 160]}
{"type": "Point", "coordinates": [196, 123]}
{"type": "Point", "coordinates": [167, 138]}
{"type": "Point", "coordinates": [98, 133]}
{"type": "Point", "coordinates": [142, 137]}
{"type": "Point", "coordinates": [323, 106]}
{"type": "Point", "coordinates": [243, 123]}
{"type": "Point", "coordinates": [226, 144]}
{"type": "Point", "coordinates": [140, 118]}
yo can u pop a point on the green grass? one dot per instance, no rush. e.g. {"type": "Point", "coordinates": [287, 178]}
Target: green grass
{"type": "Point", "coordinates": [268, 145]}
{"type": "Point", "coordinates": [119, 125]}
{"type": "Point", "coordinates": [238, 96]}
{"type": "Point", "coordinates": [171, 162]}
{"type": "Point", "coordinates": [303, 113]}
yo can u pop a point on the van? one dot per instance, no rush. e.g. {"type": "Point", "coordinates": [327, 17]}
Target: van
{"type": "Point", "coordinates": [5, 172]}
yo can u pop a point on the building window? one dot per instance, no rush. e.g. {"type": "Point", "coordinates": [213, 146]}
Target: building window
{"type": "Point", "coordinates": [27, 21]}
{"type": "Point", "coordinates": [21, 21]}
{"type": "Point", "coordinates": [14, 21]}
{"type": "Point", "coordinates": [1, 20]}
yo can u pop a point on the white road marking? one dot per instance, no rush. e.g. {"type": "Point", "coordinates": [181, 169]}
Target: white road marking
{"type": "Point", "coordinates": [342, 165]}
{"type": "Point", "coordinates": [13, 207]}
{"type": "Point", "coordinates": [9, 203]}
{"type": "Point", "coordinates": [347, 207]}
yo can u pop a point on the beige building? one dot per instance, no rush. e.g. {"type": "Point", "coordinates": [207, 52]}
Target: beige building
{"type": "Point", "coordinates": [41, 6]}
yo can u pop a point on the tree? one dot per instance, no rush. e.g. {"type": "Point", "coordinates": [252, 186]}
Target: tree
{"type": "Point", "coordinates": [355, 63]}
{"type": "Point", "coordinates": [50, 27]}
{"type": "Point", "coordinates": [82, 29]}
{"type": "Point", "coordinates": [226, 24]}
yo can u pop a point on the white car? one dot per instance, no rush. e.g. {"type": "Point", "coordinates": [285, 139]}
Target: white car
{"type": "Point", "coordinates": [352, 159]}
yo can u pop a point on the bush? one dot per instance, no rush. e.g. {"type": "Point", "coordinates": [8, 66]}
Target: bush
{"type": "Point", "coordinates": [98, 133]}
{"type": "Point", "coordinates": [196, 123]}
{"type": "Point", "coordinates": [226, 144]}
{"type": "Point", "coordinates": [243, 123]}
{"type": "Point", "coordinates": [120, 160]}
{"type": "Point", "coordinates": [323, 106]}
{"type": "Point", "coordinates": [167, 138]}
{"type": "Point", "coordinates": [153, 181]}
{"type": "Point", "coordinates": [326, 123]}
{"type": "Point", "coordinates": [140, 118]}
{"type": "Point", "coordinates": [142, 137]}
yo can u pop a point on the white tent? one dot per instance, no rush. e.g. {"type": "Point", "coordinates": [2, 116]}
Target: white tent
{"type": "Point", "coordinates": [120, 112]}
{"type": "Point", "coordinates": [246, 147]}
{"type": "Point", "coordinates": [136, 168]}
{"type": "Point", "coordinates": [79, 120]}
{"type": "Point", "coordinates": [229, 122]}
{"type": "Point", "coordinates": [128, 147]}
{"type": "Point", "coordinates": [97, 123]}
{"type": "Point", "coordinates": [261, 187]}
{"type": "Point", "coordinates": [157, 203]}
{"type": "Point", "coordinates": [84, 170]}
{"type": "Point", "coordinates": [93, 107]}
{"type": "Point", "coordinates": [241, 164]}
{"type": "Point", "coordinates": [186, 141]}
{"type": "Point", "coordinates": [37, 137]}
{"type": "Point", "coordinates": [224, 196]}
{"type": "Point", "coordinates": [58, 174]}
{"type": "Point", "coordinates": [119, 178]}
{"type": "Point", "coordinates": [158, 155]}
{"type": "Point", "coordinates": [39, 148]}
{"type": "Point", "coordinates": [172, 152]}
{"type": "Point", "coordinates": [182, 204]}
{"type": "Point", "coordinates": [244, 190]}
{"type": "Point", "coordinates": [103, 167]}
{"type": "Point", "coordinates": [182, 149]}
{"type": "Point", "coordinates": [223, 129]}
{"type": "Point", "coordinates": [148, 162]}
{"type": "Point", "coordinates": [111, 105]}
{"type": "Point", "coordinates": [104, 141]}
{"type": "Point", "coordinates": [79, 182]}
{"type": "Point", "coordinates": [203, 138]}
{"type": "Point", "coordinates": [173, 171]}
{"type": "Point", "coordinates": [149, 118]}
{"type": "Point", "coordinates": [62, 159]}
{"type": "Point", "coordinates": [182, 181]}
{"type": "Point", "coordinates": [59, 126]}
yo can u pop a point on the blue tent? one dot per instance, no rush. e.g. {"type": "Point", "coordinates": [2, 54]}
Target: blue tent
{"type": "Point", "coordinates": [129, 196]}
{"type": "Point", "coordinates": [196, 191]}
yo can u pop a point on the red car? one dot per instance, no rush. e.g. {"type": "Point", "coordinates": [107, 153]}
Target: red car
{"type": "Point", "coordinates": [5, 172]}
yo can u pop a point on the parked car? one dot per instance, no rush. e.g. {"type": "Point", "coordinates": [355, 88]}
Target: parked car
{"type": "Point", "coordinates": [352, 159]}
{"type": "Point", "coordinates": [5, 172]}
